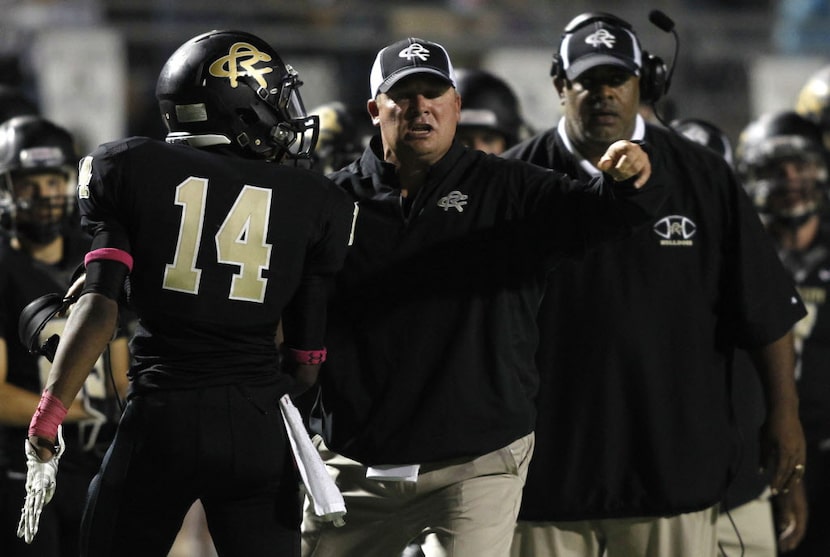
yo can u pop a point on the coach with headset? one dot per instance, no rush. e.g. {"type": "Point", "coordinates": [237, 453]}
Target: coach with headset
{"type": "Point", "coordinates": [635, 444]}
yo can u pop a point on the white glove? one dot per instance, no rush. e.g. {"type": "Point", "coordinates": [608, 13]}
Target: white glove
{"type": "Point", "coordinates": [40, 487]}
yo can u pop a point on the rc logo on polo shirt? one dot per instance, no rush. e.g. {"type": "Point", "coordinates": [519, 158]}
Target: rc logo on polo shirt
{"type": "Point", "coordinates": [455, 200]}
{"type": "Point", "coordinates": [675, 230]}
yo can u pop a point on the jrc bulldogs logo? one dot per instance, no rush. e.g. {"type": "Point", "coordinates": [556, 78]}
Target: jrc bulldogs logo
{"type": "Point", "coordinates": [675, 230]}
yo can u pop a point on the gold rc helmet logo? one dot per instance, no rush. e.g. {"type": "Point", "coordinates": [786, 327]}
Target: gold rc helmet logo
{"type": "Point", "coordinates": [241, 61]}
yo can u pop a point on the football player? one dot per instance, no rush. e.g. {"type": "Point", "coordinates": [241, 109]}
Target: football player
{"type": "Point", "coordinates": [785, 171]}
{"type": "Point", "coordinates": [40, 246]}
{"type": "Point", "coordinates": [219, 245]}
{"type": "Point", "coordinates": [491, 119]}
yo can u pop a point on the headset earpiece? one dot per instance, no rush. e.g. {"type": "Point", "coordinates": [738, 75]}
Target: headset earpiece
{"type": "Point", "coordinates": [556, 70]}
{"type": "Point", "coordinates": [653, 78]}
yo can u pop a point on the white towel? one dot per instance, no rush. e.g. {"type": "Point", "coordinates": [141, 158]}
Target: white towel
{"type": "Point", "coordinates": [327, 499]}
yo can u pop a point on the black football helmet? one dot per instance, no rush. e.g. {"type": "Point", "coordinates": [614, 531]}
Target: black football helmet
{"type": "Point", "coordinates": [488, 102]}
{"type": "Point", "coordinates": [706, 134]}
{"type": "Point", "coordinates": [34, 318]}
{"type": "Point", "coordinates": [345, 132]}
{"type": "Point", "coordinates": [783, 165]}
{"type": "Point", "coordinates": [814, 102]}
{"type": "Point", "coordinates": [232, 88]}
{"type": "Point", "coordinates": [32, 145]}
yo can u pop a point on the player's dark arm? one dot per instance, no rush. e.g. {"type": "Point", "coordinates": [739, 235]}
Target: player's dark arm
{"type": "Point", "coordinates": [305, 377]}
{"type": "Point", "coordinates": [304, 324]}
{"type": "Point", "coordinates": [88, 330]}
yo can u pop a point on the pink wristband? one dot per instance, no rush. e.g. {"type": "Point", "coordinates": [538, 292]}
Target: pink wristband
{"type": "Point", "coordinates": [110, 254]}
{"type": "Point", "coordinates": [48, 416]}
{"type": "Point", "coordinates": [308, 357]}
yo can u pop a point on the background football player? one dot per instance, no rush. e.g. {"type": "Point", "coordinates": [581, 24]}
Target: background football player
{"type": "Point", "coordinates": [219, 246]}
{"type": "Point", "coordinates": [40, 247]}
{"type": "Point", "coordinates": [491, 117]}
{"type": "Point", "coordinates": [345, 131]}
{"type": "Point", "coordinates": [784, 167]}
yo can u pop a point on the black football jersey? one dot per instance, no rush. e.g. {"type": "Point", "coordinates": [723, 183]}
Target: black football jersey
{"type": "Point", "coordinates": [219, 246]}
{"type": "Point", "coordinates": [22, 280]}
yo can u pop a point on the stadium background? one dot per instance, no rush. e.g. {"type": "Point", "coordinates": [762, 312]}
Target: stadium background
{"type": "Point", "coordinates": [92, 64]}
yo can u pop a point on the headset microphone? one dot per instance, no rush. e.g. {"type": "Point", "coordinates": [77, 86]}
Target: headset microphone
{"type": "Point", "coordinates": [665, 23]}
{"type": "Point", "coordinates": [661, 20]}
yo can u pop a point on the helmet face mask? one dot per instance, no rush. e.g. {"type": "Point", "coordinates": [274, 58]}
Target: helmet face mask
{"type": "Point", "coordinates": [37, 178]}
{"type": "Point", "coordinates": [300, 131]}
{"type": "Point", "coordinates": [232, 88]}
{"type": "Point", "coordinates": [43, 204]}
{"type": "Point", "coordinates": [789, 187]}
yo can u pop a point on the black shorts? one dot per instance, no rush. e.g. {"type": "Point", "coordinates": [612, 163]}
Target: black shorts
{"type": "Point", "coordinates": [225, 446]}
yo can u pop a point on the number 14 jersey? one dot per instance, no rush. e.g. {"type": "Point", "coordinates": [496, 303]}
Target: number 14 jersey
{"type": "Point", "coordinates": [220, 245]}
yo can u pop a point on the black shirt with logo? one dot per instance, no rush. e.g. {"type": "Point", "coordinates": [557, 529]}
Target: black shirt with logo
{"type": "Point", "coordinates": [636, 344]}
{"type": "Point", "coordinates": [432, 330]}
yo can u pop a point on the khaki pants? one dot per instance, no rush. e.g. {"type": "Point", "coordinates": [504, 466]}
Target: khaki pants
{"type": "Point", "coordinates": [465, 507]}
{"type": "Point", "coordinates": [753, 522]}
{"type": "Point", "coordinates": [684, 535]}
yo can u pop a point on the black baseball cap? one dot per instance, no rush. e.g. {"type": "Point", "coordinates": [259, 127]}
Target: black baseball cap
{"type": "Point", "coordinates": [600, 43]}
{"type": "Point", "coordinates": [406, 57]}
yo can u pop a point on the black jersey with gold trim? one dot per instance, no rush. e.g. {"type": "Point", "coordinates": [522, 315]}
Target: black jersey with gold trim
{"type": "Point", "coordinates": [219, 244]}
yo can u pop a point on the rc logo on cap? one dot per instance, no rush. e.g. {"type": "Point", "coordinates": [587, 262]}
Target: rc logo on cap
{"type": "Point", "coordinates": [601, 37]}
{"type": "Point", "coordinates": [407, 57]}
{"type": "Point", "coordinates": [599, 43]}
{"type": "Point", "coordinates": [416, 50]}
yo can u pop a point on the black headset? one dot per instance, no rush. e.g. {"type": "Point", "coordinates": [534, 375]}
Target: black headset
{"type": "Point", "coordinates": [654, 82]}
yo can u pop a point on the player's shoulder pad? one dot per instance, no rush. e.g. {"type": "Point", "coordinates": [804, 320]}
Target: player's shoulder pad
{"type": "Point", "coordinates": [119, 146]}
